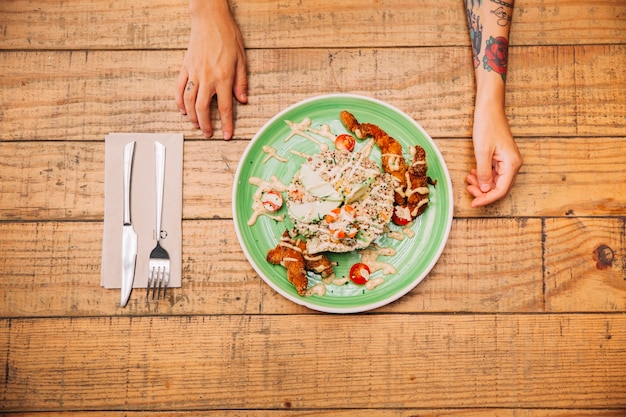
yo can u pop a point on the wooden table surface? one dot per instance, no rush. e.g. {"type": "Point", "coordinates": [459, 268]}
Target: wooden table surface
{"type": "Point", "coordinates": [523, 315]}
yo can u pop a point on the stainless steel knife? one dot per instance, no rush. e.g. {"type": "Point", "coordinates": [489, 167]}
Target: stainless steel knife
{"type": "Point", "coordinates": [129, 236]}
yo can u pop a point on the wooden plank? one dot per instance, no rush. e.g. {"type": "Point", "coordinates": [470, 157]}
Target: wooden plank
{"type": "Point", "coordinates": [53, 269]}
{"type": "Point", "coordinates": [66, 182]}
{"type": "Point", "coordinates": [163, 24]}
{"type": "Point", "coordinates": [585, 264]}
{"type": "Point", "coordinates": [596, 75]}
{"type": "Point", "coordinates": [389, 412]}
{"type": "Point", "coordinates": [298, 362]}
{"type": "Point", "coordinates": [83, 95]}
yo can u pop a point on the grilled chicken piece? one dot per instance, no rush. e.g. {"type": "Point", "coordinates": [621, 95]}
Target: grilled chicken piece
{"type": "Point", "coordinates": [413, 189]}
{"type": "Point", "coordinates": [291, 253]}
{"type": "Point", "coordinates": [391, 150]}
{"type": "Point", "coordinates": [293, 261]}
{"type": "Point", "coordinates": [417, 190]}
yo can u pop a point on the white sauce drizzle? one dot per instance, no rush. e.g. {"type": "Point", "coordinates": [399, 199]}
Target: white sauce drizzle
{"type": "Point", "coordinates": [257, 206]}
{"type": "Point", "coordinates": [408, 231]}
{"type": "Point", "coordinates": [324, 131]}
{"type": "Point", "coordinates": [301, 129]}
{"type": "Point", "coordinates": [370, 256]}
{"type": "Point", "coordinates": [340, 281]}
{"type": "Point", "coordinates": [300, 154]}
{"type": "Point", "coordinates": [329, 279]}
{"type": "Point", "coordinates": [393, 160]}
{"type": "Point", "coordinates": [318, 289]}
{"type": "Point", "coordinates": [393, 235]}
{"type": "Point", "coordinates": [373, 283]}
{"type": "Point", "coordinates": [271, 153]}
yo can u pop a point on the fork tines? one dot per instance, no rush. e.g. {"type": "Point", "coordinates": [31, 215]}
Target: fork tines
{"type": "Point", "coordinates": [159, 276]}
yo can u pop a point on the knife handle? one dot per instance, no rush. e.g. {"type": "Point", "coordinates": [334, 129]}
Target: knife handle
{"type": "Point", "coordinates": [129, 151]}
{"type": "Point", "coordinates": [159, 159]}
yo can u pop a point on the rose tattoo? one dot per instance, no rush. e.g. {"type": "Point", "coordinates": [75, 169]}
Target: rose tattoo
{"type": "Point", "coordinates": [496, 55]}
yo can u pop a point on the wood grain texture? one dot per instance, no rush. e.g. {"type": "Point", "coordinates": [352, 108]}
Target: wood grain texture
{"type": "Point", "coordinates": [387, 412]}
{"type": "Point", "coordinates": [160, 363]}
{"type": "Point", "coordinates": [45, 275]}
{"type": "Point", "coordinates": [585, 264]}
{"type": "Point", "coordinates": [81, 95]}
{"type": "Point", "coordinates": [66, 182]}
{"type": "Point", "coordinates": [145, 24]}
{"type": "Point", "coordinates": [522, 316]}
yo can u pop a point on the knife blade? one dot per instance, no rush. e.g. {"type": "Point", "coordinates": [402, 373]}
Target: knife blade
{"type": "Point", "coordinates": [129, 236]}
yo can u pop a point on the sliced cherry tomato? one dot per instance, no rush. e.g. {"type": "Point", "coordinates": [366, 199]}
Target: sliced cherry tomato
{"type": "Point", "coordinates": [401, 215]}
{"type": "Point", "coordinates": [272, 201]}
{"type": "Point", "coordinates": [360, 273]}
{"type": "Point", "coordinates": [345, 141]}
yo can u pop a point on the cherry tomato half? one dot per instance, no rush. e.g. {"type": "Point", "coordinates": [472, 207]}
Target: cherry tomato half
{"type": "Point", "coordinates": [345, 141]}
{"type": "Point", "coordinates": [359, 273]}
{"type": "Point", "coordinates": [272, 201]}
{"type": "Point", "coordinates": [401, 215]}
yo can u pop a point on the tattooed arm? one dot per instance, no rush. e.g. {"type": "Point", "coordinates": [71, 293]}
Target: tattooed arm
{"type": "Point", "coordinates": [214, 65]}
{"type": "Point", "coordinates": [498, 159]}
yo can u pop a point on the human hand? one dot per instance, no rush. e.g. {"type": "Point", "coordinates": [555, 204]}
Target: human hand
{"type": "Point", "coordinates": [498, 158]}
{"type": "Point", "coordinates": [214, 65]}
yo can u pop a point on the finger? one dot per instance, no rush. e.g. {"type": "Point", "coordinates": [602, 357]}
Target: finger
{"type": "Point", "coordinates": [488, 198]}
{"type": "Point", "coordinates": [179, 90]}
{"type": "Point", "coordinates": [225, 107]}
{"type": "Point", "coordinates": [474, 191]}
{"type": "Point", "coordinates": [203, 111]}
{"type": "Point", "coordinates": [471, 178]}
{"type": "Point", "coordinates": [189, 98]}
{"type": "Point", "coordinates": [484, 170]}
{"type": "Point", "coordinates": [498, 192]}
{"type": "Point", "coordinates": [240, 88]}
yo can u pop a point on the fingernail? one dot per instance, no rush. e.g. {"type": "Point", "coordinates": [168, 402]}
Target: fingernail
{"type": "Point", "coordinates": [485, 187]}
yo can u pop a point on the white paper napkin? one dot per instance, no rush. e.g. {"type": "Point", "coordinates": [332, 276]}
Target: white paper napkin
{"type": "Point", "coordinates": [143, 205]}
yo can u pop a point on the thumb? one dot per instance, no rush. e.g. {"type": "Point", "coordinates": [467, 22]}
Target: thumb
{"type": "Point", "coordinates": [484, 173]}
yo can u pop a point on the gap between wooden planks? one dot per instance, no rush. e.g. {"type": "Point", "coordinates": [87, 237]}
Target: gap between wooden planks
{"type": "Point", "coordinates": [67, 181]}
{"type": "Point", "coordinates": [518, 266]}
{"type": "Point", "coordinates": [564, 91]}
{"type": "Point", "coordinates": [164, 24]}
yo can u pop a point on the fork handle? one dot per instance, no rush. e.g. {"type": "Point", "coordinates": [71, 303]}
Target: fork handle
{"type": "Point", "coordinates": [159, 159]}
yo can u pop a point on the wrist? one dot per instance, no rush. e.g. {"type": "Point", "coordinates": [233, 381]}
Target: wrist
{"type": "Point", "coordinates": [490, 91]}
{"type": "Point", "coordinates": [204, 8]}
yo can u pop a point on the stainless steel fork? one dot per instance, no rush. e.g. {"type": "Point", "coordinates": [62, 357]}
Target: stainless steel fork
{"type": "Point", "coordinates": [159, 264]}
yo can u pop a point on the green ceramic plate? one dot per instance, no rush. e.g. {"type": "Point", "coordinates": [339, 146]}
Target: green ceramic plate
{"type": "Point", "coordinates": [415, 256]}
